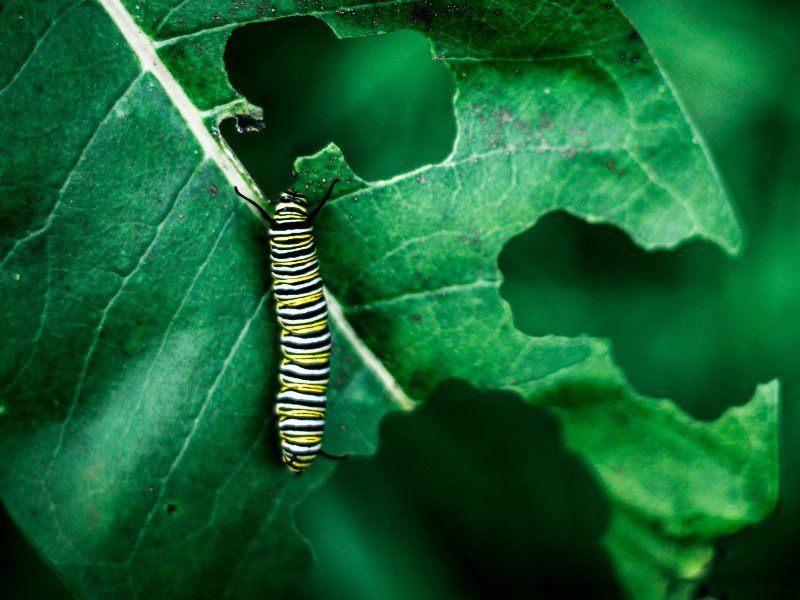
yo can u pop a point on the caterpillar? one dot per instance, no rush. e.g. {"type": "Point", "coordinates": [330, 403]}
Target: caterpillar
{"type": "Point", "coordinates": [305, 338]}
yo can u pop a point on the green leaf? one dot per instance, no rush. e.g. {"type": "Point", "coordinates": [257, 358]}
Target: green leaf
{"type": "Point", "coordinates": [138, 351]}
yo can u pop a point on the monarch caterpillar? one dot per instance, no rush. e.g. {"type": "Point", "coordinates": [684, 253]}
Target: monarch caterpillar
{"type": "Point", "coordinates": [305, 338]}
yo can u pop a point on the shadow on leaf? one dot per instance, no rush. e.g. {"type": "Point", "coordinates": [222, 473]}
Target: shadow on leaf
{"type": "Point", "coordinates": [472, 495]}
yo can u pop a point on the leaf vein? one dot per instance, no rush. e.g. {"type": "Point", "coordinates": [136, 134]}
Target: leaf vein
{"type": "Point", "coordinates": [406, 296]}
{"type": "Point", "coordinates": [226, 362]}
{"type": "Point", "coordinates": [42, 37]}
{"type": "Point", "coordinates": [101, 324]}
{"type": "Point", "coordinates": [70, 173]}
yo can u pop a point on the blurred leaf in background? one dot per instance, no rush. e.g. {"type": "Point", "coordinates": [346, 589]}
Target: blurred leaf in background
{"type": "Point", "coordinates": [694, 324]}
{"type": "Point", "coordinates": [737, 66]}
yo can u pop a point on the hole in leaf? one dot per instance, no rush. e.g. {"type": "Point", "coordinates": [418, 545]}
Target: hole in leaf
{"type": "Point", "coordinates": [471, 496]}
{"type": "Point", "coordinates": [675, 318]}
{"type": "Point", "coordinates": [382, 99]}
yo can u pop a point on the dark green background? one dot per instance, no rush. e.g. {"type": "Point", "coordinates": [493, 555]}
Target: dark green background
{"type": "Point", "coordinates": [433, 514]}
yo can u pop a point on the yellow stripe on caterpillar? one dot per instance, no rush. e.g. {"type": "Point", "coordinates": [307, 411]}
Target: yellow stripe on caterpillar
{"type": "Point", "coordinates": [300, 261]}
{"type": "Point", "coordinates": [300, 329]}
{"type": "Point", "coordinates": [297, 413]}
{"type": "Point", "coordinates": [311, 297]}
{"type": "Point", "coordinates": [300, 440]}
{"type": "Point", "coordinates": [290, 238]}
{"type": "Point", "coordinates": [307, 359]}
{"type": "Point", "coordinates": [281, 280]}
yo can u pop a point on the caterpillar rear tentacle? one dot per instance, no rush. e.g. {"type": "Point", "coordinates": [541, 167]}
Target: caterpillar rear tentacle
{"type": "Point", "coordinates": [305, 338]}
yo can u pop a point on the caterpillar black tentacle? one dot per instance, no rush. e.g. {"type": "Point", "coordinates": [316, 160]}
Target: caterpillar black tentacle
{"type": "Point", "coordinates": [305, 338]}
{"type": "Point", "coordinates": [264, 214]}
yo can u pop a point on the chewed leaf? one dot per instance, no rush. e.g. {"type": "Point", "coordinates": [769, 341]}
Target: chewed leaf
{"type": "Point", "coordinates": [138, 350]}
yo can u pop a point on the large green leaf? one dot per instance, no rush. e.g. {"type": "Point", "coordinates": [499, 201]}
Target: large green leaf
{"type": "Point", "coordinates": [137, 355]}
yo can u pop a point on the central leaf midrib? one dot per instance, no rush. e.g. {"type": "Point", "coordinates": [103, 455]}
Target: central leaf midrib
{"type": "Point", "coordinates": [144, 48]}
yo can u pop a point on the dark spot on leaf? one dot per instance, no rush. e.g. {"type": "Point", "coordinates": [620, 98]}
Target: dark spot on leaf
{"type": "Point", "coordinates": [635, 58]}
{"type": "Point", "coordinates": [416, 318]}
{"type": "Point", "coordinates": [472, 240]}
{"type": "Point", "coordinates": [498, 12]}
{"type": "Point", "coordinates": [608, 5]}
{"type": "Point", "coordinates": [610, 165]}
{"type": "Point", "coordinates": [634, 36]}
{"type": "Point", "coordinates": [339, 379]}
{"type": "Point", "coordinates": [171, 509]}
{"type": "Point", "coordinates": [214, 189]}
{"type": "Point", "coordinates": [545, 120]}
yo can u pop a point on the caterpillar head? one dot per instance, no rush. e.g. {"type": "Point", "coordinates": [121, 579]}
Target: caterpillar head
{"type": "Point", "coordinates": [291, 202]}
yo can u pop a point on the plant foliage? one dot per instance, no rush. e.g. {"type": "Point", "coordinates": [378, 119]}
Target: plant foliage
{"type": "Point", "coordinates": [138, 348]}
